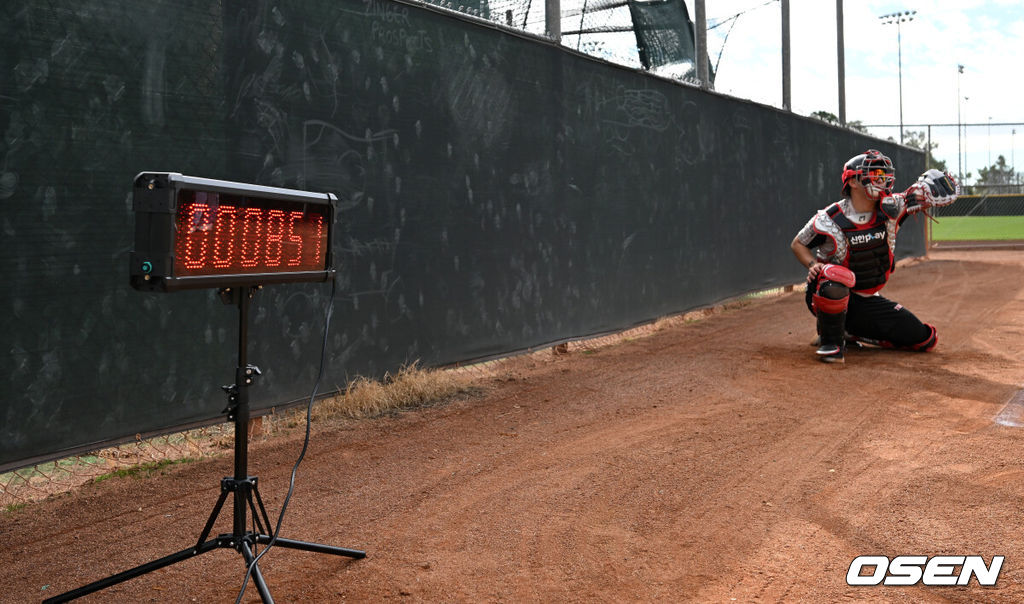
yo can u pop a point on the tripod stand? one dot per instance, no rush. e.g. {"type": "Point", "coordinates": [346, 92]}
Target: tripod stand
{"type": "Point", "coordinates": [243, 486]}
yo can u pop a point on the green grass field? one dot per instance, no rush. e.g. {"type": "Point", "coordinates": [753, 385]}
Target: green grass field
{"type": "Point", "coordinates": [978, 228]}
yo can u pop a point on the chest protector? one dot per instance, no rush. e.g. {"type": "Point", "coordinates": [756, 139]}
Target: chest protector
{"type": "Point", "coordinates": [865, 249]}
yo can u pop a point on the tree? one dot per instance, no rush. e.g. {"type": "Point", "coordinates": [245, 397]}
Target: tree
{"type": "Point", "coordinates": [918, 140]}
{"type": "Point", "coordinates": [858, 126]}
{"type": "Point", "coordinates": [831, 118]}
{"type": "Point", "coordinates": [826, 116]}
{"type": "Point", "coordinates": [997, 174]}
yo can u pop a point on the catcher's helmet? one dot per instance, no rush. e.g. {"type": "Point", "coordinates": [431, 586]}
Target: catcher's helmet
{"type": "Point", "coordinates": [874, 170]}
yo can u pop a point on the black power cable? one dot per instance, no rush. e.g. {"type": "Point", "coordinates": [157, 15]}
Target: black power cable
{"type": "Point", "coordinates": [305, 443]}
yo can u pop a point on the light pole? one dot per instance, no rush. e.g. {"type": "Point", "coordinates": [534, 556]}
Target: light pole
{"type": "Point", "coordinates": [990, 141]}
{"type": "Point", "coordinates": [841, 55]}
{"type": "Point", "coordinates": [787, 98]}
{"type": "Point", "coordinates": [959, 127]}
{"type": "Point", "coordinates": [897, 18]}
{"type": "Point", "coordinates": [966, 167]}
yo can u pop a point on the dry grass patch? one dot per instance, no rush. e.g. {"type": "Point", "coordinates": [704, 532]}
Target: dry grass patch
{"type": "Point", "coordinates": [410, 387]}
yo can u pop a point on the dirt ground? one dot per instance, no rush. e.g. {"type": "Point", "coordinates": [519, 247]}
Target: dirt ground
{"type": "Point", "coordinates": [713, 461]}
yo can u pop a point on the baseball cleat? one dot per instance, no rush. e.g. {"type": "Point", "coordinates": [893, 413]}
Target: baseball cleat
{"type": "Point", "coordinates": [833, 358]}
{"type": "Point", "coordinates": [831, 353]}
{"type": "Point", "coordinates": [827, 349]}
{"type": "Point", "coordinates": [862, 341]}
{"type": "Point", "coordinates": [851, 341]}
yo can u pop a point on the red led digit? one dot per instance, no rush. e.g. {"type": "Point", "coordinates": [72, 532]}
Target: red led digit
{"type": "Point", "coordinates": [224, 236]}
{"type": "Point", "coordinates": [250, 256]}
{"type": "Point", "coordinates": [228, 235]}
{"type": "Point", "coordinates": [294, 240]}
{"type": "Point", "coordinates": [194, 229]}
{"type": "Point", "coordinates": [275, 237]}
{"type": "Point", "coordinates": [319, 237]}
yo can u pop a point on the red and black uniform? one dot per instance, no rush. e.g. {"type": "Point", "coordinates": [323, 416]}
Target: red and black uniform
{"type": "Point", "coordinates": [863, 243]}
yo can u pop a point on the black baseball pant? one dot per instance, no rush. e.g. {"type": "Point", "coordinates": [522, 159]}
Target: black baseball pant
{"type": "Point", "coordinates": [881, 319]}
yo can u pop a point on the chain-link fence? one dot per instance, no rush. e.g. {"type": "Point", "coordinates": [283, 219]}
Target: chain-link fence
{"type": "Point", "coordinates": [986, 219]}
{"type": "Point", "coordinates": [600, 28]}
{"type": "Point", "coordinates": [654, 35]}
{"type": "Point", "coordinates": [981, 155]}
{"type": "Point", "coordinates": [985, 204]}
{"type": "Point", "coordinates": [42, 480]}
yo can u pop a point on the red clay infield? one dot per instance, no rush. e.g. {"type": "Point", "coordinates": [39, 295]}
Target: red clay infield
{"type": "Point", "coordinates": [716, 460]}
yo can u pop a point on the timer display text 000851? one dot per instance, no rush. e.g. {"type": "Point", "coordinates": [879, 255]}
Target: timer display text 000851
{"type": "Point", "coordinates": [220, 234]}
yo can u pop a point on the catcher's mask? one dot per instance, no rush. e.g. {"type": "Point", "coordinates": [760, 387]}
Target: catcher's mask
{"type": "Point", "coordinates": [874, 170]}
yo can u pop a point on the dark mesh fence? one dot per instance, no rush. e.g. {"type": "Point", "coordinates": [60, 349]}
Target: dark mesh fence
{"type": "Point", "coordinates": [497, 193]}
{"type": "Point", "coordinates": [985, 205]}
{"type": "Point", "coordinates": [92, 93]}
{"type": "Point", "coordinates": [989, 219]}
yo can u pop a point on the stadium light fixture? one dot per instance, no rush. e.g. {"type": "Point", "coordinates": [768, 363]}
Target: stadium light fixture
{"type": "Point", "coordinates": [897, 18]}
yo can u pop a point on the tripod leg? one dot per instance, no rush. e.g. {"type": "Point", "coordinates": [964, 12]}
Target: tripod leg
{"type": "Point", "coordinates": [137, 571]}
{"type": "Point", "coordinates": [312, 547]}
{"type": "Point", "coordinates": [213, 516]}
{"type": "Point", "coordinates": [263, 510]}
{"type": "Point", "coordinates": [257, 576]}
{"type": "Point", "coordinates": [260, 537]}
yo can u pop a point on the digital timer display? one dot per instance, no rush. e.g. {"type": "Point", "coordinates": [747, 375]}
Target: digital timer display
{"type": "Point", "coordinates": [221, 235]}
{"type": "Point", "coordinates": [197, 232]}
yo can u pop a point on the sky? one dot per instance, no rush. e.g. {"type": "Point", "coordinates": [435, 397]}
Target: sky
{"type": "Point", "coordinates": [986, 37]}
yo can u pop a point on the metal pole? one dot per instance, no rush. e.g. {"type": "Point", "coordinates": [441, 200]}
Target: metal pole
{"type": "Point", "coordinates": [553, 19]}
{"type": "Point", "coordinates": [841, 54]}
{"type": "Point", "coordinates": [966, 167]}
{"type": "Point", "coordinates": [242, 412]}
{"type": "Point", "coordinates": [990, 141]}
{"type": "Point", "coordinates": [702, 45]}
{"type": "Point", "coordinates": [899, 47]}
{"type": "Point", "coordinates": [928, 149]}
{"type": "Point", "coordinates": [898, 18]}
{"type": "Point", "coordinates": [959, 126]}
{"type": "Point", "coordinates": [786, 99]}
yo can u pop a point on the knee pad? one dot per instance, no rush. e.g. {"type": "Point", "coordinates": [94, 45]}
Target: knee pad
{"type": "Point", "coordinates": [831, 298]}
{"type": "Point", "coordinates": [929, 343]}
{"type": "Point", "coordinates": [839, 274]}
{"type": "Point", "coordinates": [833, 293]}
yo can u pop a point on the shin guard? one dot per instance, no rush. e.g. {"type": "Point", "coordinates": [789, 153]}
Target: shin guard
{"type": "Point", "coordinates": [831, 315]}
{"type": "Point", "coordinates": [830, 302]}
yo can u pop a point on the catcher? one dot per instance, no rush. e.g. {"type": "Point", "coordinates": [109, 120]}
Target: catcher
{"type": "Point", "coordinates": [848, 251]}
